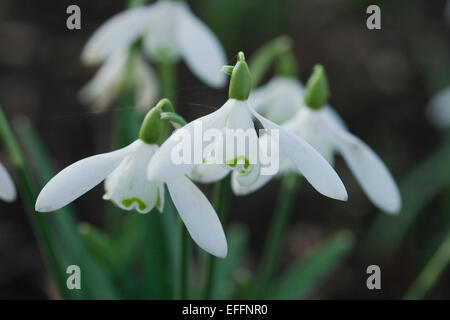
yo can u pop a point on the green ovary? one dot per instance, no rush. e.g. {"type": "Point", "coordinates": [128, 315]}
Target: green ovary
{"type": "Point", "coordinates": [128, 202]}
{"type": "Point", "coordinates": [234, 162]}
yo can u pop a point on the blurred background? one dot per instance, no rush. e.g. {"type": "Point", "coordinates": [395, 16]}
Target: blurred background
{"type": "Point", "coordinates": [380, 82]}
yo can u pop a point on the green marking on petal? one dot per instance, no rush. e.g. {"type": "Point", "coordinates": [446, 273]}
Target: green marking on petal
{"type": "Point", "coordinates": [158, 200]}
{"type": "Point", "coordinates": [234, 162]}
{"type": "Point", "coordinates": [129, 202]}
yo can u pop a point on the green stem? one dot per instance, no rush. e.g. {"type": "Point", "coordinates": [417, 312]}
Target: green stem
{"type": "Point", "coordinates": [221, 202]}
{"type": "Point", "coordinates": [286, 199]}
{"type": "Point", "coordinates": [29, 195]}
{"type": "Point", "coordinates": [167, 79]}
{"type": "Point", "coordinates": [431, 273]}
{"type": "Point", "coordinates": [182, 273]}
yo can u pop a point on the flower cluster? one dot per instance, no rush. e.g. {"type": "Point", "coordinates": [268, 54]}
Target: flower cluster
{"type": "Point", "coordinates": [300, 130]}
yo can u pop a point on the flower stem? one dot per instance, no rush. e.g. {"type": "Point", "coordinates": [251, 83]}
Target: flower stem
{"type": "Point", "coordinates": [28, 196]}
{"type": "Point", "coordinates": [221, 201]}
{"type": "Point", "coordinates": [167, 79]}
{"type": "Point", "coordinates": [183, 255]}
{"type": "Point", "coordinates": [286, 199]}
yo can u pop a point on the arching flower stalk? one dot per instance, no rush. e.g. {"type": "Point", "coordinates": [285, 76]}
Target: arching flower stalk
{"type": "Point", "coordinates": [127, 186]}
{"type": "Point", "coordinates": [7, 188]}
{"type": "Point", "coordinates": [169, 31]}
{"type": "Point", "coordinates": [214, 154]}
{"type": "Point", "coordinates": [109, 81]}
{"type": "Point", "coordinates": [319, 124]}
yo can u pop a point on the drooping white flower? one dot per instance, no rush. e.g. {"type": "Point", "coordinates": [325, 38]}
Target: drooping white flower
{"type": "Point", "coordinates": [128, 187]}
{"type": "Point", "coordinates": [7, 188]}
{"type": "Point", "coordinates": [327, 133]}
{"type": "Point", "coordinates": [169, 31]}
{"type": "Point", "coordinates": [236, 114]}
{"type": "Point", "coordinates": [439, 109]}
{"type": "Point", "coordinates": [108, 82]}
{"type": "Point", "coordinates": [279, 99]}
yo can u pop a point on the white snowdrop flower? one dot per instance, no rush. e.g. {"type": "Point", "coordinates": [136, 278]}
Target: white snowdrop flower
{"type": "Point", "coordinates": [128, 187]}
{"type": "Point", "coordinates": [108, 82]}
{"type": "Point", "coordinates": [7, 188]}
{"type": "Point", "coordinates": [169, 31]}
{"type": "Point", "coordinates": [236, 114]}
{"type": "Point", "coordinates": [320, 125]}
{"type": "Point", "coordinates": [439, 109]}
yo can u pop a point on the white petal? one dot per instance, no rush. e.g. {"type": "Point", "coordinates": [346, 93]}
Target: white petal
{"type": "Point", "coordinates": [369, 170]}
{"type": "Point", "coordinates": [163, 167]}
{"type": "Point", "coordinates": [208, 173]}
{"type": "Point", "coordinates": [118, 33]}
{"type": "Point", "coordinates": [160, 42]}
{"type": "Point", "coordinates": [240, 189]}
{"type": "Point", "coordinates": [198, 216]}
{"type": "Point", "coordinates": [310, 125]}
{"type": "Point", "coordinates": [265, 144]}
{"type": "Point", "coordinates": [240, 141]}
{"type": "Point", "coordinates": [7, 188]}
{"type": "Point", "coordinates": [128, 187]}
{"type": "Point", "coordinates": [309, 162]}
{"type": "Point", "coordinates": [279, 100]}
{"type": "Point", "coordinates": [79, 178]}
{"type": "Point", "coordinates": [439, 109]}
{"type": "Point", "coordinates": [102, 89]}
{"type": "Point", "coordinates": [200, 48]}
{"type": "Point", "coordinates": [332, 117]}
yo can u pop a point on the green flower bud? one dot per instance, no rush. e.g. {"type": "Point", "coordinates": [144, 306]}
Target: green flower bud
{"type": "Point", "coordinates": [152, 125]}
{"type": "Point", "coordinates": [317, 90]}
{"type": "Point", "coordinates": [241, 81]}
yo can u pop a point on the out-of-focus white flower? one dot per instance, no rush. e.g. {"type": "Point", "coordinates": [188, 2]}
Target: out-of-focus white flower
{"type": "Point", "coordinates": [127, 186]}
{"type": "Point", "coordinates": [7, 188]}
{"type": "Point", "coordinates": [236, 114]}
{"type": "Point", "coordinates": [439, 109]}
{"type": "Point", "coordinates": [169, 31]}
{"type": "Point", "coordinates": [327, 133]}
{"type": "Point", "coordinates": [108, 82]}
{"type": "Point", "coordinates": [279, 99]}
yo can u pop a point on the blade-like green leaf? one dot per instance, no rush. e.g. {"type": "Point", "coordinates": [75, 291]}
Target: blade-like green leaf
{"type": "Point", "coordinates": [431, 272]}
{"type": "Point", "coordinates": [264, 57]}
{"type": "Point", "coordinates": [237, 243]}
{"type": "Point", "coordinates": [310, 271]}
{"type": "Point", "coordinates": [421, 186]}
{"type": "Point", "coordinates": [100, 246]}
{"type": "Point", "coordinates": [95, 284]}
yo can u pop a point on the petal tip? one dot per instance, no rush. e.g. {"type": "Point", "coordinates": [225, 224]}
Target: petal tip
{"type": "Point", "coordinates": [222, 252]}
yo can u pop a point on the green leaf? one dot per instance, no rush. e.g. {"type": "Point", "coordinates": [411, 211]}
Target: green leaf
{"type": "Point", "coordinates": [431, 272]}
{"type": "Point", "coordinates": [421, 185]}
{"type": "Point", "coordinates": [310, 271]}
{"type": "Point", "coordinates": [62, 223]}
{"type": "Point", "coordinates": [237, 235]}
{"type": "Point", "coordinates": [264, 57]}
{"type": "Point", "coordinates": [100, 245]}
